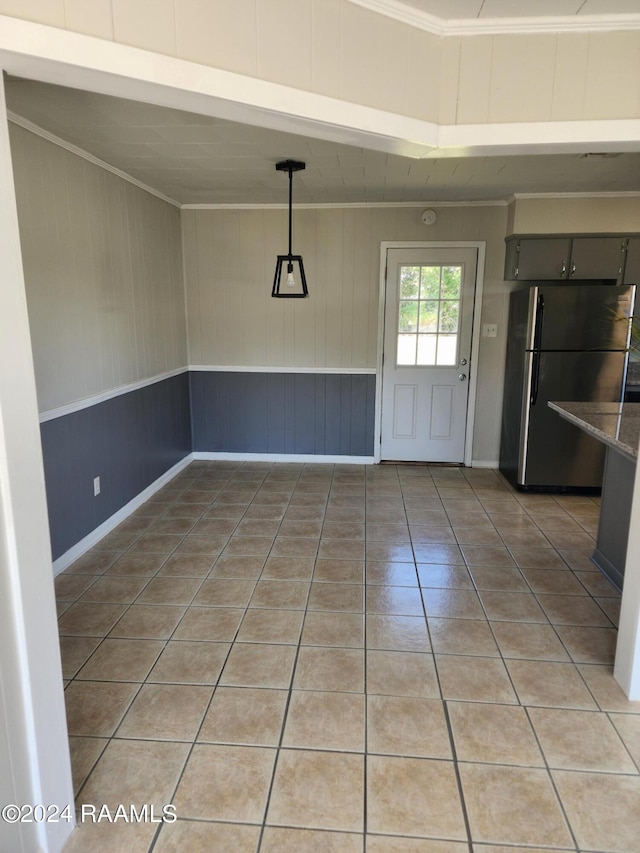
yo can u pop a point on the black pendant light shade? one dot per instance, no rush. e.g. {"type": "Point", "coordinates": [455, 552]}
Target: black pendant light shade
{"type": "Point", "coordinates": [290, 281]}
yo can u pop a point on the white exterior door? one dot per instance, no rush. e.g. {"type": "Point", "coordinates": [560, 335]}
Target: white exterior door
{"type": "Point", "coordinates": [428, 324]}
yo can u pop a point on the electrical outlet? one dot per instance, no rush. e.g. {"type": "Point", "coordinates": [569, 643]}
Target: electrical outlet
{"type": "Point", "coordinates": [96, 486]}
{"type": "Point", "coordinates": [490, 330]}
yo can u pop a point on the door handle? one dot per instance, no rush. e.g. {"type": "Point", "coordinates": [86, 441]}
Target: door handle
{"type": "Point", "coordinates": [463, 361]}
{"type": "Point", "coordinates": [462, 376]}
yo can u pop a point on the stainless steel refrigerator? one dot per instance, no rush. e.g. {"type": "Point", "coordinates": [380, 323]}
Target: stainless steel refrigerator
{"type": "Point", "coordinates": [566, 342]}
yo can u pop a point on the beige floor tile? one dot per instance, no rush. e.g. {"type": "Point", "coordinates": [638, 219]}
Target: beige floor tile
{"type": "Point", "coordinates": [145, 565]}
{"type": "Point", "coordinates": [300, 529]}
{"type": "Point", "coordinates": [439, 553]}
{"type": "Point", "coordinates": [228, 783]}
{"type": "Point", "coordinates": [427, 535]}
{"type": "Point", "coordinates": [486, 555]}
{"type": "Point", "coordinates": [388, 573]}
{"type": "Point", "coordinates": [339, 571]}
{"type": "Point", "coordinates": [397, 633]}
{"type": "Point", "coordinates": [396, 844]}
{"type": "Point", "coordinates": [474, 679]}
{"type": "Point", "coordinates": [337, 597]}
{"type": "Point", "coordinates": [245, 715]}
{"type": "Point", "coordinates": [628, 727]}
{"type": "Point", "coordinates": [278, 840]}
{"type": "Point", "coordinates": [494, 734]}
{"type": "Point", "coordinates": [259, 665]}
{"type": "Point", "coordinates": [171, 525]}
{"type": "Point", "coordinates": [219, 592]}
{"type": "Point", "coordinates": [280, 594]}
{"type": "Point", "coordinates": [288, 568]}
{"type": "Point", "coordinates": [499, 579]}
{"type": "Point", "coordinates": [271, 626]}
{"type": "Point", "coordinates": [111, 837]}
{"type": "Point", "coordinates": [333, 629]}
{"type": "Point", "coordinates": [452, 603]}
{"type": "Point", "coordinates": [84, 752]}
{"type": "Point", "coordinates": [90, 619]}
{"type": "Point", "coordinates": [285, 546]}
{"type": "Point", "coordinates": [512, 606]}
{"type": "Point", "coordinates": [199, 837]}
{"type": "Point", "coordinates": [538, 558]}
{"type": "Point", "coordinates": [396, 801]}
{"type": "Point", "coordinates": [548, 582]}
{"type": "Point", "coordinates": [169, 590]}
{"type": "Point", "coordinates": [402, 674]}
{"type": "Point", "coordinates": [589, 645]}
{"type": "Point", "coordinates": [210, 624]}
{"type": "Point", "coordinates": [606, 690]}
{"type": "Point", "coordinates": [75, 651]}
{"type": "Point", "coordinates": [462, 637]}
{"type": "Point", "coordinates": [133, 771]}
{"type": "Point", "coordinates": [396, 533]}
{"type": "Point", "coordinates": [513, 805]}
{"type": "Point", "coordinates": [150, 621]}
{"type": "Point", "coordinates": [330, 669]}
{"type": "Point", "coordinates": [550, 684]}
{"type": "Point", "coordinates": [227, 526]}
{"type": "Point", "coordinates": [237, 566]}
{"type": "Point", "coordinates": [580, 740]}
{"type": "Point", "coordinates": [210, 545]}
{"type": "Point", "coordinates": [186, 566]}
{"type": "Point", "coordinates": [184, 662]}
{"type": "Point", "coordinates": [96, 707]}
{"type": "Point", "coordinates": [528, 640]}
{"type": "Point", "coordinates": [573, 610]}
{"type": "Point", "coordinates": [93, 563]}
{"type": "Point", "coordinates": [602, 809]}
{"type": "Point", "coordinates": [322, 720]}
{"type": "Point", "coordinates": [597, 583]}
{"type": "Point", "coordinates": [402, 725]}
{"type": "Point", "coordinates": [165, 712]}
{"type": "Point", "coordinates": [156, 543]}
{"type": "Point", "coordinates": [611, 607]}
{"type": "Point", "coordinates": [105, 589]}
{"type": "Point", "coordinates": [320, 790]}
{"type": "Point", "coordinates": [122, 660]}
{"type": "Point", "coordinates": [397, 600]}
{"type": "Point", "coordinates": [477, 535]}
{"type": "Point", "coordinates": [341, 549]}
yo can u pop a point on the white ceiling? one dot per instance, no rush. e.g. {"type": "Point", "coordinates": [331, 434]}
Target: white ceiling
{"type": "Point", "coordinates": [196, 159]}
{"type": "Point", "coordinates": [466, 9]}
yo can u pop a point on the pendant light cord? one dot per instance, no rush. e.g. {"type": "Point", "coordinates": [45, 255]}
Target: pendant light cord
{"type": "Point", "coordinates": [290, 209]}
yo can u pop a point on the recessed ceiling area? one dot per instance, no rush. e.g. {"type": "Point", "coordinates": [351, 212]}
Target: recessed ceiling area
{"type": "Point", "coordinates": [196, 159]}
{"type": "Point", "coordinates": [466, 9]}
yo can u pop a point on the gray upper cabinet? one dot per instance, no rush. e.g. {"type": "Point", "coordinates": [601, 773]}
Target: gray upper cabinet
{"type": "Point", "coordinates": [598, 257]}
{"type": "Point", "coordinates": [632, 267]}
{"type": "Point", "coordinates": [538, 258]}
{"type": "Point", "coordinates": [564, 258]}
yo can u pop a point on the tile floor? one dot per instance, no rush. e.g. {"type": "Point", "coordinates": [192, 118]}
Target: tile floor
{"type": "Point", "coordinates": [339, 658]}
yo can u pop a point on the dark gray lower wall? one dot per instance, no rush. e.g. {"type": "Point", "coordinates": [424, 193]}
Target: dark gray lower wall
{"type": "Point", "coordinates": [128, 441]}
{"type": "Point", "coordinates": [316, 413]}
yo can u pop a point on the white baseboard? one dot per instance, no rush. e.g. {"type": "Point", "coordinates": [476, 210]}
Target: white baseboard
{"type": "Point", "coordinates": [107, 526]}
{"type": "Point", "coordinates": [480, 463]}
{"type": "Point", "coordinates": [284, 457]}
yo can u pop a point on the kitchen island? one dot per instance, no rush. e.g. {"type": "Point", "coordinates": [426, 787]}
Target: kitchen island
{"type": "Point", "coordinates": [617, 551]}
{"type": "Point", "coordinates": [617, 425]}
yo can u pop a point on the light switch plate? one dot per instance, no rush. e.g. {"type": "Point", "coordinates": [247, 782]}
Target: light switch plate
{"type": "Point", "coordinates": [490, 330]}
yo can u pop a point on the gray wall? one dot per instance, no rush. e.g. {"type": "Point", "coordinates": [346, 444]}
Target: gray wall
{"type": "Point", "coordinates": [327, 414]}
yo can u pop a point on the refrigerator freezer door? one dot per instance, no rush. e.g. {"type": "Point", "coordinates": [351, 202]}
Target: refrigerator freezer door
{"type": "Point", "coordinates": [585, 316]}
{"type": "Point", "coordinates": [556, 453]}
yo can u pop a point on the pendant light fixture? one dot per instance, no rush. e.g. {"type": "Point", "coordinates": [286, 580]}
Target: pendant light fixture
{"type": "Point", "coordinates": [289, 281]}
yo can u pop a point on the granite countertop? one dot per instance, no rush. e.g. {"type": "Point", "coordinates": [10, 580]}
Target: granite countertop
{"type": "Point", "coordinates": [615, 424]}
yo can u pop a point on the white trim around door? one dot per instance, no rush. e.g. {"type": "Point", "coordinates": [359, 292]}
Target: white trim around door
{"type": "Point", "coordinates": [480, 245]}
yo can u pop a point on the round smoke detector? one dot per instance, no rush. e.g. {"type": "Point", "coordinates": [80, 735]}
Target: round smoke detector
{"type": "Point", "coordinates": [429, 217]}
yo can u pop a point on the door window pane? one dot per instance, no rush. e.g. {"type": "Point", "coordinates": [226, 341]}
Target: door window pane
{"type": "Point", "coordinates": [429, 315]}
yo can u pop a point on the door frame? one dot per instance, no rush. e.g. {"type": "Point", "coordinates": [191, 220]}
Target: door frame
{"type": "Point", "coordinates": [480, 246]}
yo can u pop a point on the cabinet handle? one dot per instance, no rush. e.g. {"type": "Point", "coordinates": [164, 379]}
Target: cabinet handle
{"type": "Point", "coordinates": [563, 271]}
{"type": "Point", "coordinates": [573, 269]}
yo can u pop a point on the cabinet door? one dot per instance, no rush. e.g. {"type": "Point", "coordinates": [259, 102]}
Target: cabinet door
{"type": "Point", "coordinates": [632, 267]}
{"type": "Point", "coordinates": [543, 258]}
{"type": "Point", "coordinates": [597, 257]}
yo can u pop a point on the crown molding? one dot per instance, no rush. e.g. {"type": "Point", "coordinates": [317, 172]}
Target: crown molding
{"type": "Point", "coordinates": [499, 26]}
{"type": "Point", "coordinates": [365, 205]}
{"type": "Point", "coordinates": [620, 194]}
{"type": "Point", "coordinates": [25, 124]}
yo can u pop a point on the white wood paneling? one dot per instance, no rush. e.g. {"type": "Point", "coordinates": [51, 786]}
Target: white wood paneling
{"type": "Point", "coordinates": [103, 271]}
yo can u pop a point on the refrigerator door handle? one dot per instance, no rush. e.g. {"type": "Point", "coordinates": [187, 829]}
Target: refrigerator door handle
{"type": "Point", "coordinates": [537, 340]}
